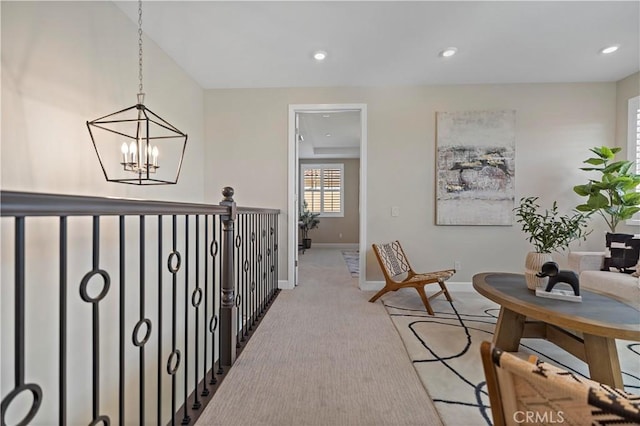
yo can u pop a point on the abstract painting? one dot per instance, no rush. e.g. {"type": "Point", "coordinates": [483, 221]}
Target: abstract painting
{"type": "Point", "coordinates": [475, 167]}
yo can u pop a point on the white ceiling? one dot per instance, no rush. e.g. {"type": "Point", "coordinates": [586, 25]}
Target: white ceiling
{"type": "Point", "coordinates": [269, 44]}
{"type": "Point", "coordinates": [246, 44]}
{"type": "Point", "coordinates": [330, 134]}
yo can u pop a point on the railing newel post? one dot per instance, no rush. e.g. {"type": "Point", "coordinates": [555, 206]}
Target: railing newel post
{"type": "Point", "coordinates": [228, 314]}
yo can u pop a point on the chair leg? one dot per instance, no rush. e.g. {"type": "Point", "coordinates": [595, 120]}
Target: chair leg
{"type": "Point", "coordinates": [378, 294]}
{"type": "Point", "coordinates": [425, 300]}
{"type": "Point", "coordinates": [446, 292]}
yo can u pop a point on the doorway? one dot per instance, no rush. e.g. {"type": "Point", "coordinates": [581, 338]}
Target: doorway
{"type": "Point", "coordinates": [323, 150]}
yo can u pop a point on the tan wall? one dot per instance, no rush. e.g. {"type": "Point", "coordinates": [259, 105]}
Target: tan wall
{"type": "Point", "coordinates": [64, 63]}
{"type": "Point", "coordinates": [342, 230]}
{"type": "Point", "coordinates": [625, 89]}
{"type": "Point", "coordinates": [556, 124]}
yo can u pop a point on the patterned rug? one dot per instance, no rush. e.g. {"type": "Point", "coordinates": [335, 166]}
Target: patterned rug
{"type": "Point", "coordinates": [352, 259]}
{"type": "Point", "coordinates": [445, 350]}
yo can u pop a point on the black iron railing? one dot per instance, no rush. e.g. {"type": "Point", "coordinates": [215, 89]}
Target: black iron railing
{"type": "Point", "coordinates": [150, 304]}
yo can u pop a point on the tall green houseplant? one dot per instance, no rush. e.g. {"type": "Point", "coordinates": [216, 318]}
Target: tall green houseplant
{"type": "Point", "coordinates": [308, 221]}
{"type": "Point", "coordinates": [614, 196]}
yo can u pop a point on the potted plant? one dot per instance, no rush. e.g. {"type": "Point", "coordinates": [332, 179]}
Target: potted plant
{"type": "Point", "coordinates": [614, 195]}
{"type": "Point", "coordinates": [548, 232]}
{"type": "Point", "coordinates": [308, 221]}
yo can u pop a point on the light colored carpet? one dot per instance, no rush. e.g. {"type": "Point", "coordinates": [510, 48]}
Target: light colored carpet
{"type": "Point", "coordinates": [445, 350]}
{"type": "Point", "coordinates": [352, 259]}
{"type": "Point", "coordinates": [323, 356]}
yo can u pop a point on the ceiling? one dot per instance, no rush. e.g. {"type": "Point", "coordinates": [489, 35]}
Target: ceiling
{"type": "Point", "coordinates": [246, 44]}
{"type": "Point", "coordinates": [330, 134]}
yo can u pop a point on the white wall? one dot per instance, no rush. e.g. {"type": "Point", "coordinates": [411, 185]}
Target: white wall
{"type": "Point", "coordinates": [556, 124]}
{"type": "Point", "coordinates": [64, 63]}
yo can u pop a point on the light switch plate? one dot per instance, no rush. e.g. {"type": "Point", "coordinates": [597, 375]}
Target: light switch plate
{"type": "Point", "coordinates": [395, 211]}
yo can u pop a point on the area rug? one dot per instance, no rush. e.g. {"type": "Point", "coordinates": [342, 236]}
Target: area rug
{"type": "Point", "coordinates": [445, 351]}
{"type": "Point", "coordinates": [352, 259]}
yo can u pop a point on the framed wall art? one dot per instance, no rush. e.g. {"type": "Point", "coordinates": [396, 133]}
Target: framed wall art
{"type": "Point", "coordinates": [475, 167]}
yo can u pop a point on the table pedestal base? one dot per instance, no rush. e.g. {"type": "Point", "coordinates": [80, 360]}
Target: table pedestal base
{"type": "Point", "coordinates": [600, 353]}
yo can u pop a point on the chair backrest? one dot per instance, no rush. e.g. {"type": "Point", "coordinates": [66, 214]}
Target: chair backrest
{"type": "Point", "coordinates": [538, 392]}
{"type": "Point", "coordinates": [392, 258]}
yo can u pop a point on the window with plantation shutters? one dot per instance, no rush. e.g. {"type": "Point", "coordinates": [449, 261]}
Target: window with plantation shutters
{"type": "Point", "coordinates": [323, 188]}
{"type": "Point", "coordinates": [633, 147]}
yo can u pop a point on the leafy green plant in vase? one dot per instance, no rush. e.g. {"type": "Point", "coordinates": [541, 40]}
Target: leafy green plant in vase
{"type": "Point", "coordinates": [308, 221]}
{"type": "Point", "coordinates": [614, 196]}
{"type": "Point", "coordinates": [548, 231]}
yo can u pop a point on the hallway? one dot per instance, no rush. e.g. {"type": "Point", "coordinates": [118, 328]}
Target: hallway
{"type": "Point", "coordinates": [323, 356]}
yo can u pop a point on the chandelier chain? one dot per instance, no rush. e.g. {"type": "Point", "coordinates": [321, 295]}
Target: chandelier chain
{"type": "Point", "coordinates": [140, 45]}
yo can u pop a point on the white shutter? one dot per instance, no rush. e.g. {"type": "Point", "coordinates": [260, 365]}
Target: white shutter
{"type": "Point", "coordinates": [633, 147]}
{"type": "Point", "coordinates": [323, 188]}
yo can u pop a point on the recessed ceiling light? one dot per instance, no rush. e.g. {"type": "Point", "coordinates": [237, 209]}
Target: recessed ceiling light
{"type": "Point", "coordinates": [325, 115]}
{"type": "Point", "coordinates": [610, 49]}
{"type": "Point", "coordinates": [328, 135]}
{"type": "Point", "coordinates": [320, 55]}
{"type": "Point", "coordinates": [448, 52]}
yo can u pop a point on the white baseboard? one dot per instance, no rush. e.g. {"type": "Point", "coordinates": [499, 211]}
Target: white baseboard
{"type": "Point", "coordinates": [371, 285]}
{"type": "Point", "coordinates": [284, 285]}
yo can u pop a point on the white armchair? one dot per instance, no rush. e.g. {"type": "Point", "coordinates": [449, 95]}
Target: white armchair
{"type": "Point", "coordinates": [586, 261]}
{"type": "Point", "coordinates": [587, 265]}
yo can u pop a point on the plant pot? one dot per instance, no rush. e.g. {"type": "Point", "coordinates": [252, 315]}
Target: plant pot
{"type": "Point", "coordinates": [306, 243]}
{"type": "Point", "coordinates": [532, 265]}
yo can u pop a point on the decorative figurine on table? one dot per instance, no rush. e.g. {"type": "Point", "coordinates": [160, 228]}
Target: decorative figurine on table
{"type": "Point", "coordinates": [556, 276]}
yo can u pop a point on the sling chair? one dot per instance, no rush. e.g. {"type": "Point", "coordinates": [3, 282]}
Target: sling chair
{"type": "Point", "coordinates": [522, 391]}
{"type": "Point", "coordinates": [394, 263]}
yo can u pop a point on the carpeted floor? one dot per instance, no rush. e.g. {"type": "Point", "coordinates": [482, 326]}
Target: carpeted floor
{"type": "Point", "coordinates": [323, 356]}
{"type": "Point", "coordinates": [445, 350]}
{"type": "Point", "coordinates": [352, 259]}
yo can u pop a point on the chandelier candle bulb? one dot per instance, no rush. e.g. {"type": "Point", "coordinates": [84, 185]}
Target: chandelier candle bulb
{"type": "Point", "coordinates": [154, 154]}
{"type": "Point", "coordinates": [132, 150]}
{"type": "Point", "coordinates": [125, 150]}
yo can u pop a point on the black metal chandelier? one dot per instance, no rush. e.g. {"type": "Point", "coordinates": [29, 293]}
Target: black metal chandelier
{"type": "Point", "coordinates": [130, 142]}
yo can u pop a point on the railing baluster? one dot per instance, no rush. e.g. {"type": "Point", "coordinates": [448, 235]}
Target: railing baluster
{"type": "Point", "coordinates": [245, 280]}
{"type": "Point", "coordinates": [196, 298]}
{"type": "Point", "coordinates": [19, 330]}
{"type": "Point", "coordinates": [121, 359]}
{"type": "Point", "coordinates": [263, 273]}
{"type": "Point", "coordinates": [95, 301]}
{"type": "Point", "coordinates": [175, 353]}
{"type": "Point", "coordinates": [186, 419]}
{"type": "Point", "coordinates": [256, 267]}
{"type": "Point", "coordinates": [160, 292]}
{"type": "Point", "coordinates": [219, 275]}
{"type": "Point", "coordinates": [238, 274]}
{"type": "Point", "coordinates": [205, 317]}
{"type": "Point", "coordinates": [62, 361]}
{"type": "Point", "coordinates": [136, 341]}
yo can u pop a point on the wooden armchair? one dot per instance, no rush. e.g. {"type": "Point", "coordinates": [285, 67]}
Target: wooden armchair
{"type": "Point", "coordinates": [532, 392]}
{"type": "Point", "coordinates": [394, 263]}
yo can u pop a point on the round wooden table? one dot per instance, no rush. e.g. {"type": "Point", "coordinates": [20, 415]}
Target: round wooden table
{"type": "Point", "coordinates": [586, 329]}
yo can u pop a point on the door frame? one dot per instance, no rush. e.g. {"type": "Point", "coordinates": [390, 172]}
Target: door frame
{"type": "Point", "coordinates": [292, 222]}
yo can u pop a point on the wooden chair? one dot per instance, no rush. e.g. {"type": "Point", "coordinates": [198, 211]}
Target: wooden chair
{"type": "Point", "coordinates": [394, 263]}
{"type": "Point", "coordinates": [528, 392]}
